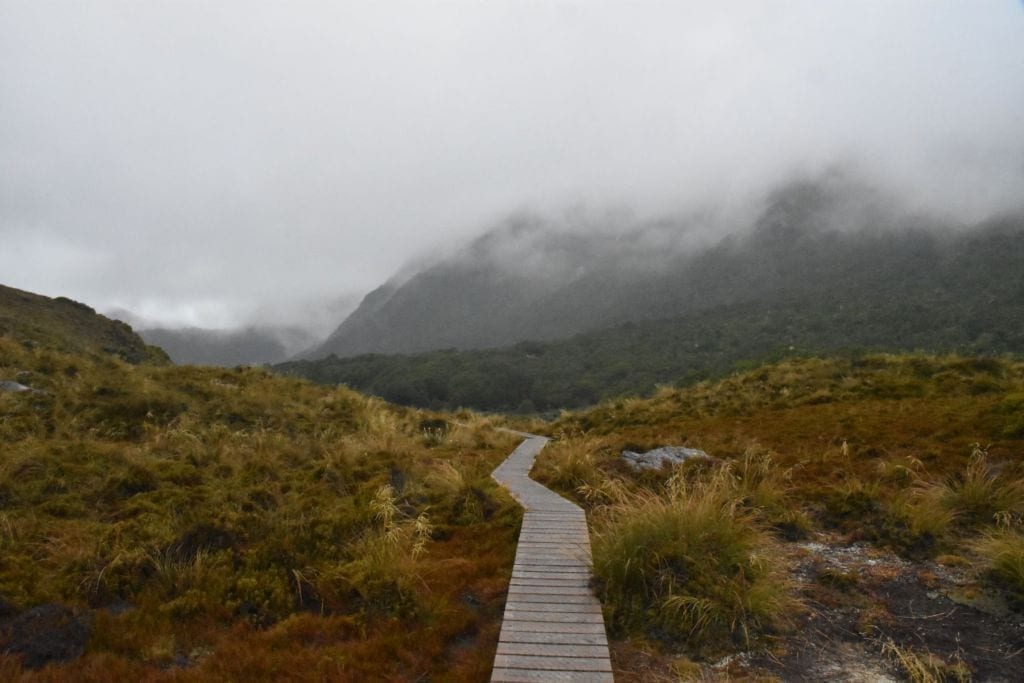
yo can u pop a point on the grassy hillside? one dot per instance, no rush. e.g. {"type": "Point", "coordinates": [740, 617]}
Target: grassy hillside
{"type": "Point", "coordinates": [163, 523]}
{"type": "Point", "coordinates": [862, 514]}
{"type": "Point", "coordinates": [858, 513]}
{"type": "Point", "coordinates": [69, 326]}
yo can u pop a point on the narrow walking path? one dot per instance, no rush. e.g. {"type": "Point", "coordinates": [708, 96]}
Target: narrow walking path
{"type": "Point", "coordinates": [553, 629]}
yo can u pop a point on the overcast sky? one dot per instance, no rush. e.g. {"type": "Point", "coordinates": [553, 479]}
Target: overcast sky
{"type": "Point", "coordinates": [196, 161]}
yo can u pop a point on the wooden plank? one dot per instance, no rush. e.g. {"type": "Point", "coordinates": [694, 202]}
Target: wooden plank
{"type": "Point", "coordinates": [553, 638]}
{"type": "Point", "coordinates": [548, 589]}
{"type": "Point", "coordinates": [577, 582]}
{"type": "Point", "coordinates": [533, 556]}
{"type": "Point", "coordinates": [540, 560]}
{"type": "Point", "coordinates": [528, 565]}
{"type": "Point", "coordinates": [576, 547]}
{"type": "Point", "coordinates": [549, 575]}
{"type": "Point", "coordinates": [581, 553]}
{"type": "Point", "coordinates": [577, 586]}
{"type": "Point", "coordinates": [553, 536]}
{"type": "Point", "coordinates": [553, 627]}
{"type": "Point", "coordinates": [570, 591]}
{"type": "Point", "coordinates": [555, 617]}
{"type": "Point", "coordinates": [528, 558]}
{"type": "Point", "coordinates": [525, 555]}
{"type": "Point", "coordinates": [558, 564]}
{"type": "Point", "coordinates": [555, 552]}
{"type": "Point", "coordinates": [517, 606]}
{"type": "Point", "coordinates": [573, 523]}
{"type": "Point", "coordinates": [518, 596]}
{"type": "Point", "coordinates": [553, 649]}
{"type": "Point", "coordinates": [538, 573]}
{"type": "Point", "coordinates": [579, 547]}
{"type": "Point", "coordinates": [535, 676]}
{"type": "Point", "coordinates": [553, 663]}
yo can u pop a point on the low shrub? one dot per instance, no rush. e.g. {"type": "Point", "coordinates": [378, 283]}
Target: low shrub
{"type": "Point", "coordinates": [692, 564]}
{"type": "Point", "coordinates": [1002, 555]}
{"type": "Point", "coordinates": [977, 496]}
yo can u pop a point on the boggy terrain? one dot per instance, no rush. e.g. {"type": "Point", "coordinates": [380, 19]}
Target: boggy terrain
{"type": "Point", "coordinates": [181, 523]}
{"type": "Point", "coordinates": [859, 519]}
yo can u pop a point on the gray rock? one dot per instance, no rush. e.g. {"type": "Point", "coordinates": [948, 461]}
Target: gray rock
{"type": "Point", "coordinates": [659, 457]}
{"type": "Point", "coordinates": [14, 387]}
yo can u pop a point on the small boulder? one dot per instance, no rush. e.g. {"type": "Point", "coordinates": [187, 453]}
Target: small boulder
{"type": "Point", "coordinates": [659, 457]}
{"type": "Point", "coordinates": [13, 387]}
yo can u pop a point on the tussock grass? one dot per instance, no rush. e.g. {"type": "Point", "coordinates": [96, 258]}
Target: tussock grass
{"type": "Point", "coordinates": [980, 495]}
{"type": "Point", "coordinates": [202, 502]}
{"type": "Point", "coordinates": [570, 464]}
{"type": "Point", "coordinates": [1002, 557]}
{"type": "Point", "coordinates": [925, 667]}
{"type": "Point", "coordinates": [767, 489]}
{"type": "Point", "coordinates": [693, 563]}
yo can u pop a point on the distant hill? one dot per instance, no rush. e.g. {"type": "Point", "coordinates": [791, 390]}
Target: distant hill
{"type": "Point", "coordinates": [536, 280]}
{"type": "Point", "coordinates": [778, 292]}
{"type": "Point", "coordinates": [276, 333]}
{"type": "Point", "coordinates": [69, 326]}
{"type": "Point", "coordinates": [228, 348]}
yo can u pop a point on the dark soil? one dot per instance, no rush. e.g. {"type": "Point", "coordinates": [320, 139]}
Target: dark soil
{"type": "Point", "coordinates": [923, 618]}
{"type": "Point", "coordinates": [861, 603]}
{"type": "Point", "coordinates": [861, 599]}
{"type": "Point", "coordinates": [45, 634]}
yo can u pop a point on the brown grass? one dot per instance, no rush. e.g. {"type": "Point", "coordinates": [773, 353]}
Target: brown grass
{"type": "Point", "coordinates": [229, 524]}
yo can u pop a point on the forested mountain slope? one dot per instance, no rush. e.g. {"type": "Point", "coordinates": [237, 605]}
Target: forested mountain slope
{"type": "Point", "coordinates": [829, 241]}
{"type": "Point", "coordinates": [818, 293]}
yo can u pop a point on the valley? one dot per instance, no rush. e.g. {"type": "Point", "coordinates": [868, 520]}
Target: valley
{"type": "Point", "coordinates": [512, 342]}
{"type": "Point", "coordinates": [161, 522]}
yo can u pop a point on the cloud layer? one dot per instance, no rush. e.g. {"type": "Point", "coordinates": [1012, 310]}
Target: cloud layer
{"type": "Point", "coordinates": [196, 162]}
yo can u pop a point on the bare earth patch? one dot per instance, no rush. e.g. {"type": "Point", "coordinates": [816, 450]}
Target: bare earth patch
{"type": "Point", "coordinates": [865, 609]}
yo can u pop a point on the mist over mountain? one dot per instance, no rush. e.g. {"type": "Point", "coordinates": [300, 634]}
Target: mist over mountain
{"type": "Point", "coordinates": [533, 278]}
{"type": "Point", "coordinates": [784, 289]}
{"type": "Point", "coordinates": [246, 346]}
{"type": "Point", "coordinates": [272, 336]}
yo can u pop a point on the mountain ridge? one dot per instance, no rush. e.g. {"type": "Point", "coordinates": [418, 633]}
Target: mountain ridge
{"type": "Point", "coordinates": [534, 280]}
{"type": "Point", "coordinates": [915, 290]}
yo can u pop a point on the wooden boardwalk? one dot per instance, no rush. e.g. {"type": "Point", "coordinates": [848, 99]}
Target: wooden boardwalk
{"type": "Point", "coordinates": [553, 629]}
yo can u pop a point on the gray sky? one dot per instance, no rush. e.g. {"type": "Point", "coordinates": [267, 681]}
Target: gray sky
{"type": "Point", "coordinates": [198, 161]}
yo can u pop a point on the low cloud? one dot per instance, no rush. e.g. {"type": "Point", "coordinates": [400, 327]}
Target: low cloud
{"type": "Point", "coordinates": [204, 163]}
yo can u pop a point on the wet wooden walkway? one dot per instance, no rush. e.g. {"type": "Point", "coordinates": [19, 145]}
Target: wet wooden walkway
{"type": "Point", "coordinates": [553, 629]}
